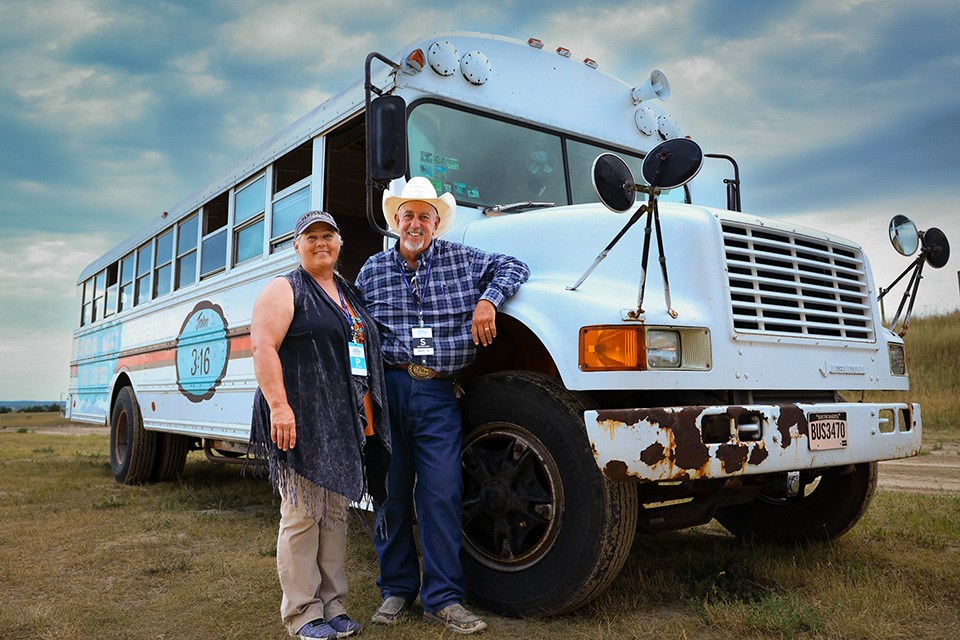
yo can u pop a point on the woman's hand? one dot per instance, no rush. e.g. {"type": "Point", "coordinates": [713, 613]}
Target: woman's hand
{"type": "Point", "coordinates": [283, 427]}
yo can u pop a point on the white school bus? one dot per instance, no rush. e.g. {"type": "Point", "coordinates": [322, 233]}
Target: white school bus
{"type": "Point", "coordinates": [597, 413]}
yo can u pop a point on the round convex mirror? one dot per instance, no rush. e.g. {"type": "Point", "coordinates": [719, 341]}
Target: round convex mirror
{"type": "Point", "coordinates": [938, 249]}
{"type": "Point", "coordinates": [613, 182]}
{"type": "Point", "coordinates": [672, 164]}
{"type": "Point", "coordinates": [903, 235]}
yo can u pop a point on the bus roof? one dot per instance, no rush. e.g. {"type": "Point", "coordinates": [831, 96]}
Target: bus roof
{"type": "Point", "coordinates": [526, 83]}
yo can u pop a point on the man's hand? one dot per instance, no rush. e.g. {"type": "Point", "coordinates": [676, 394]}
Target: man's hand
{"type": "Point", "coordinates": [484, 327]}
{"type": "Point", "coordinates": [283, 427]}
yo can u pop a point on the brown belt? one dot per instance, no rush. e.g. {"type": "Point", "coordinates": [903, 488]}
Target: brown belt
{"type": "Point", "coordinates": [417, 371]}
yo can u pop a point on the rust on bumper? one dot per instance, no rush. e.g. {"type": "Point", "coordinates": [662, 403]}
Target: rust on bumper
{"type": "Point", "coordinates": [668, 444]}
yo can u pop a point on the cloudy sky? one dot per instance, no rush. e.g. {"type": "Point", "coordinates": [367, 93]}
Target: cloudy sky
{"type": "Point", "coordinates": [841, 113]}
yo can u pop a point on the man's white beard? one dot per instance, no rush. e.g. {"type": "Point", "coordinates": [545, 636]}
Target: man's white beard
{"type": "Point", "coordinates": [413, 244]}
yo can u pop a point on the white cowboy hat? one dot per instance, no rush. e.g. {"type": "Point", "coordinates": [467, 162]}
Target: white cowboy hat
{"type": "Point", "coordinates": [419, 188]}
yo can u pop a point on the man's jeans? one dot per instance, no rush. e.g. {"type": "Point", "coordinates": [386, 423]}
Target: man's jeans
{"type": "Point", "coordinates": [425, 466]}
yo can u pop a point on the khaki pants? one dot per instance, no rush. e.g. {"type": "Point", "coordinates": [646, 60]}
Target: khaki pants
{"type": "Point", "coordinates": [310, 564]}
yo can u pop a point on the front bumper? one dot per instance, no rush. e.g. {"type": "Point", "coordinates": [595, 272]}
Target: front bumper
{"type": "Point", "coordinates": [668, 443]}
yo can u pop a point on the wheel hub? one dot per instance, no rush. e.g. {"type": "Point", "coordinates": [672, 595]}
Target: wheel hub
{"type": "Point", "coordinates": [512, 493]}
{"type": "Point", "coordinates": [496, 497]}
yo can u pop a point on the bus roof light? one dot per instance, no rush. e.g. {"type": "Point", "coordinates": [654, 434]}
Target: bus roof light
{"type": "Point", "coordinates": [590, 63]}
{"type": "Point", "coordinates": [415, 62]}
{"type": "Point", "coordinates": [564, 52]}
{"type": "Point", "coordinates": [443, 57]}
{"type": "Point", "coordinates": [476, 68]}
{"type": "Point", "coordinates": [536, 44]}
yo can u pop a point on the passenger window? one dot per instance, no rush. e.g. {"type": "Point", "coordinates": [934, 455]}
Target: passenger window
{"type": "Point", "coordinates": [144, 258]}
{"type": "Point", "coordinates": [187, 252]}
{"type": "Point", "coordinates": [248, 220]}
{"type": "Point", "coordinates": [163, 274]}
{"type": "Point", "coordinates": [126, 281]}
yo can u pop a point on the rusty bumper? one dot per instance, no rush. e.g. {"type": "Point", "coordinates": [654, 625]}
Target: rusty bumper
{"type": "Point", "coordinates": [686, 443]}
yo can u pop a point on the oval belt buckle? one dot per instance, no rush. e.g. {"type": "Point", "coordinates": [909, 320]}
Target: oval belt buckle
{"type": "Point", "coordinates": [420, 372]}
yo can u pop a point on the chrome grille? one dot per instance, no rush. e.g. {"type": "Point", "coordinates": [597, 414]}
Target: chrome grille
{"type": "Point", "coordinates": [785, 283]}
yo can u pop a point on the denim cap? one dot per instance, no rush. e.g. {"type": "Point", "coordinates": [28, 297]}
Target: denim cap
{"type": "Point", "coordinates": [312, 217]}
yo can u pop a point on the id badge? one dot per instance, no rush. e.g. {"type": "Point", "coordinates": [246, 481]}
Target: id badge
{"type": "Point", "coordinates": [358, 359]}
{"type": "Point", "coordinates": [422, 341]}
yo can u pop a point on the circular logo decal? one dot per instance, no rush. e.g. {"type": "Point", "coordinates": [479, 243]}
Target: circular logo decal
{"type": "Point", "coordinates": [202, 352]}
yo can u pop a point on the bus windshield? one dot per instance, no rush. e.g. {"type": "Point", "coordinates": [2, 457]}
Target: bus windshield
{"type": "Point", "coordinates": [484, 161]}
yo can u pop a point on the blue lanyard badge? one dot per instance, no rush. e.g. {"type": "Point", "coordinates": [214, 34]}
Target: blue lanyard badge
{"type": "Point", "coordinates": [422, 335]}
{"type": "Point", "coordinates": [358, 357]}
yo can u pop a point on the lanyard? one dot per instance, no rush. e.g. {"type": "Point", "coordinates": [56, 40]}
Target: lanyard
{"type": "Point", "coordinates": [356, 324]}
{"type": "Point", "coordinates": [423, 287]}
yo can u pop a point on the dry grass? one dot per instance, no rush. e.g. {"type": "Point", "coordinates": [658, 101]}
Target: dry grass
{"type": "Point", "coordinates": [933, 361]}
{"type": "Point", "coordinates": [81, 556]}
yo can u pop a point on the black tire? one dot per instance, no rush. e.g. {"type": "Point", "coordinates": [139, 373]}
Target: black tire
{"type": "Point", "coordinates": [170, 457]}
{"type": "Point", "coordinates": [544, 531]}
{"type": "Point", "coordinates": [132, 448]}
{"type": "Point", "coordinates": [824, 509]}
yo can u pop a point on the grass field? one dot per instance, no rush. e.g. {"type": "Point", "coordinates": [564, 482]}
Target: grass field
{"type": "Point", "coordinates": [84, 557]}
{"type": "Point", "coordinates": [933, 361]}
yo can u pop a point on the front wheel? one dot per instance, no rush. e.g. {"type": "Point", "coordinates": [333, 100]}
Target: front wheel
{"type": "Point", "coordinates": [544, 531]}
{"type": "Point", "coordinates": [825, 508]}
{"type": "Point", "coordinates": [132, 448]}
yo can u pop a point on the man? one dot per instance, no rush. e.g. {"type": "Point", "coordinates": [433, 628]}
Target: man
{"type": "Point", "coordinates": [435, 302]}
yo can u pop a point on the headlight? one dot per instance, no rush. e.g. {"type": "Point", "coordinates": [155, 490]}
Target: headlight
{"type": "Point", "coordinates": [898, 362]}
{"type": "Point", "coordinates": [663, 349]}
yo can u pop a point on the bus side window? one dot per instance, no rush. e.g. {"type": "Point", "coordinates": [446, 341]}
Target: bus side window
{"type": "Point", "coordinates": [98, 292]}
{"type": "Point", "coordinates": [213, 249]}
{"type": "Point", "coordinates": [187, 252]}
{"type": "Point", "coordinates": [163, 273]}
{"type": "Point", "coordinates": [87, 304]}
{"type": "Point", "coordinates": [144, 257]}
{"type": "Point", "coordinates": [126, 282]}
{"type": "Point", "coordinates": [113, 288]}
{"type": "Point", "coordinates": [248, 210]}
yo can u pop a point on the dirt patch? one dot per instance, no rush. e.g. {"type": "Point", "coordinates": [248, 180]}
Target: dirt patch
{"type": "Point", "coordinates": [936, 472]}
{"type": "Point", "coordinates": [70, 430]}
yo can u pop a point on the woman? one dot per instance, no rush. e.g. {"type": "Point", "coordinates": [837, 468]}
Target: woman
{"type": "Point", "coordinates": [318, 419]}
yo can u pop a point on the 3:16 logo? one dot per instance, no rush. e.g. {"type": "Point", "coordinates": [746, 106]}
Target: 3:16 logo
{"type": "Point", "coordinates": [203, 351]}
{"type": "Point", "coordinates": [201, 361]}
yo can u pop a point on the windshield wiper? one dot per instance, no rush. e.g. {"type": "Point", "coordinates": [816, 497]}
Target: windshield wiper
{"type": "Point", "coordinates": [516, 207]}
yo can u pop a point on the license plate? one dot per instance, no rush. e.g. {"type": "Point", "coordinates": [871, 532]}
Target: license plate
{"type": "Point", "coordinates": [827, 430]}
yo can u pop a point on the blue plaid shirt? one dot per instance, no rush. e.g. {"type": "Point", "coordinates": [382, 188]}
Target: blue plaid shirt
{"type": "Point", "coordinates": [459, 277]}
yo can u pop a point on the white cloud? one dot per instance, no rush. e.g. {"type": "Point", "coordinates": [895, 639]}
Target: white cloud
{"type": "Point", "coordinates": [867, 225]}
{"type": "Point", "coordinates": [37, 276]}
{"type": "Point", "coordinates": [195, 68]}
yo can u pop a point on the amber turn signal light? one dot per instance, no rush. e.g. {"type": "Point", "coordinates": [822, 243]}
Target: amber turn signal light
{"type": "Point", "coordinates": [606, 348]}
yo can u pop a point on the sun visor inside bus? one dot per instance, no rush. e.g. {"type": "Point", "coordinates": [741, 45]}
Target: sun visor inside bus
{"type": "Point", "coordinates": [388, 136]}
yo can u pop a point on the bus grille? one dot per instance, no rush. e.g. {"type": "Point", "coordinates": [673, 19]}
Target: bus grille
{"type": "Point", "coordinates": [786, 284]}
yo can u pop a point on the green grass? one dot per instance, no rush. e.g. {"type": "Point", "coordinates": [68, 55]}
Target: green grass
{"type": "Point", "coordinates": [933, 362]}
{"type": "Point", "coordinates": [81, 556]}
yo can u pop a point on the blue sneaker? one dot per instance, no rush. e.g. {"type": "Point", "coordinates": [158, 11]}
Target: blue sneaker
{"type": "Point", "coordinates": [344, 626]}
{"type": "Point", "coordinates": [317, 629]}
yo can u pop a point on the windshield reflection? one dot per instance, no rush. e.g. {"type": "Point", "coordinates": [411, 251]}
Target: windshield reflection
{"type": "Point", "coordinates": [484, 162]}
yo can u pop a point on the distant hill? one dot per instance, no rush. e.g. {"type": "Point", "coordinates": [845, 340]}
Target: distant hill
{"type": "Point", "coordinates": [16, 405]}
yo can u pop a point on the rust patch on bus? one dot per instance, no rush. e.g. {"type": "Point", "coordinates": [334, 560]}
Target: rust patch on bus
{"type": "Point", "coordinates": [686, 450]}
{"type": "Point", "coordinates": [732, 457]}
{"type": "Point", "coordinates": [758, 454]}
{"type": "Point", "coordinates": [653, 454]}
{"type": "Point", "coordinates": [690, 452]}
{"type": "Point", "coordinates": [616, 470]}
{"type": "Point", "coordinates": [790, 415]}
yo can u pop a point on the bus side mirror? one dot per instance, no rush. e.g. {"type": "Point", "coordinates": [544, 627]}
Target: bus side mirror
{"type": "Point", "coordinates": [387, 120]}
